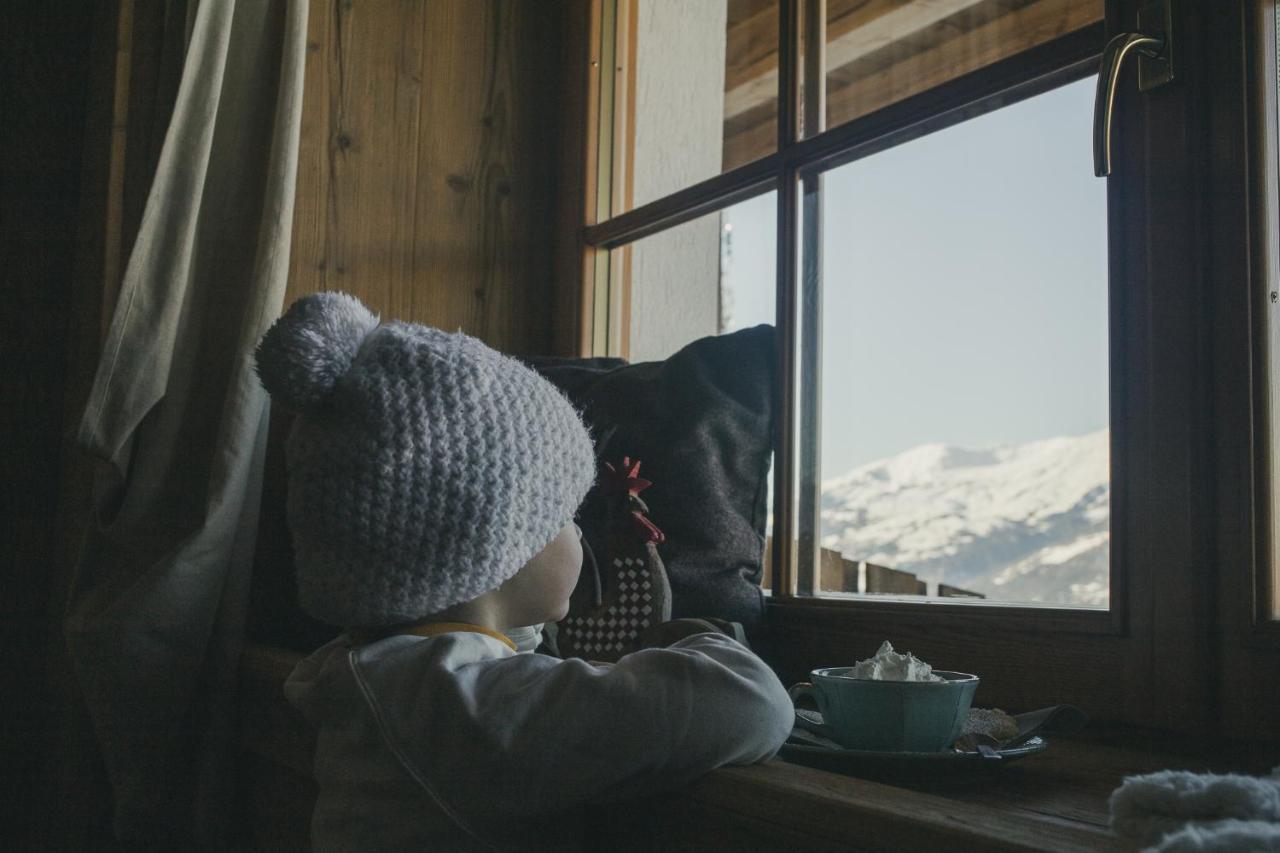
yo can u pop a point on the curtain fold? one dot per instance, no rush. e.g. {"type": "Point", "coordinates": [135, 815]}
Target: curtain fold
{"type": "Point", "coordinates": [155, 620]}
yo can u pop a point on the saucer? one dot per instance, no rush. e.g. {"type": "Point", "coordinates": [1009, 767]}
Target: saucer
{"type": "Point", "coordinates": [811, 750]}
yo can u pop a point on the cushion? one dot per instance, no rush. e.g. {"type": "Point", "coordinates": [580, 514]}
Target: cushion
{"type": "Point", "coordinates": [701, 423]}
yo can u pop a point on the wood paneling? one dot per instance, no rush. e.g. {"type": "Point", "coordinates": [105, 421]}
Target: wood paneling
{"type": "Point", "coordinates": [855, 28]}
{"type": "Point", "coordinates": [429, 163]}
{"type": "Point", "coordinates": [882, 51]}
{"type": "Point", "coordinates": [576, 201]}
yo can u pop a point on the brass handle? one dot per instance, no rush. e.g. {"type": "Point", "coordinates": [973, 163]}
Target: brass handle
{"type": "Point", "coordinates": [1113, 56]}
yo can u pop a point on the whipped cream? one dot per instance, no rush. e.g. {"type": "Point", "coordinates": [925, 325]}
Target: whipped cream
{"type": "Point", "coordinates": [888, 665]}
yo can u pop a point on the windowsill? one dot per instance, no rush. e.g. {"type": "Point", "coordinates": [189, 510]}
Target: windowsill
{"type": "Point", "coordinates": [781, 805]}
{"type": "Point", "coordinates": [1056, 800]}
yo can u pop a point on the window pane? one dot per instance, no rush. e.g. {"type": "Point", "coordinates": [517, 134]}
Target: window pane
{"type": "Point", "coordinates": [882, 51]}
{"type": "Point", "coordinates": [705, 277]}
{"type": "Point", "coordinates": [711, 276]}
{"type": "Point", "coordinates": [693, 63]}
{"type": "Point", "coordinates": [964, 424]}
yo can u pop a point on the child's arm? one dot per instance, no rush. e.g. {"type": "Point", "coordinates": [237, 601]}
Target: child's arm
{"type": "Point", "coordinates": [530, 733]}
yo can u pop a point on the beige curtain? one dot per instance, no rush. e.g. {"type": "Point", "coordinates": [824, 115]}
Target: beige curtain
{"type": "Point", "coordinates": [155, 621]}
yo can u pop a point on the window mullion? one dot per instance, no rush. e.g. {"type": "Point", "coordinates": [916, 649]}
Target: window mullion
{"type": "Point", "coordinates": [810, 449]}
{"type": "Point", "coordinates": [813, 85]}
{"type": "Point", "coordinates": [783, 557]}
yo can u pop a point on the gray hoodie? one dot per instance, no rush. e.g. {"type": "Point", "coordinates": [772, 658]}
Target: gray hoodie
{"type": "Point", "coordinates": [456, 742]}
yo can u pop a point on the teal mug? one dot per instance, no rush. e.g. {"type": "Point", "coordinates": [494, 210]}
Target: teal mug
{"type": "Point", "coordinates": [888, 716]}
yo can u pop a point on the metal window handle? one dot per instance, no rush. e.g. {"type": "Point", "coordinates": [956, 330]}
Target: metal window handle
{"type": "Point", "coordinates": [1155, 69]}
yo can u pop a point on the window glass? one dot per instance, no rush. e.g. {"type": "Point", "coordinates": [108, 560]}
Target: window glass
{"type": "Point", "coordinates": [710, 276]}
{"type": "Point", "coordinates": [964, 427]}
{"type": "Point", "coordinates": [694, 63]}
{"type": "Point", "coordinates": [882, 51]}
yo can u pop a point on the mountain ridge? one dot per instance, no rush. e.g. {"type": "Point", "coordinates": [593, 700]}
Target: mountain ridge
{"type": "Point", "coordinates": [1026, 522]}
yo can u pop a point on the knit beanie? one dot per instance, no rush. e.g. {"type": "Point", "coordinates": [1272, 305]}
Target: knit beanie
{"type": "Point", "coordinates": [424, 467]}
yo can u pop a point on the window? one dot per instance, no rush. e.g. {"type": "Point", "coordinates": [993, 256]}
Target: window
{"type": "Point", "coordinates": [964, 442]}
{"type": "Point", "coordinates": [704, 277]}
{"type": "Point", "coordinates": [1014, 435]}
{"type": "Point", "coordinates": [1269, 71]}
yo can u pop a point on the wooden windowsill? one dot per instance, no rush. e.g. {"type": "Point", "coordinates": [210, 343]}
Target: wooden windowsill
{"type": "Point", "coordinates": [1053, 801]}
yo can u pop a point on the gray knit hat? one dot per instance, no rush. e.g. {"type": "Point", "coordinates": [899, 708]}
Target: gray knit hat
{"type": "Point", "coordinates": [424, 467]}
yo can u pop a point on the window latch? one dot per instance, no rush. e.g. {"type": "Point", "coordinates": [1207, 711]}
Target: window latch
{"type": "Point", "coordinates": [1154, 45]}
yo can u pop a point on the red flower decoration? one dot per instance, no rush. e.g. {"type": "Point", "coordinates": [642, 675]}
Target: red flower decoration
{"type": "Point", "coordinates": [624, 479]}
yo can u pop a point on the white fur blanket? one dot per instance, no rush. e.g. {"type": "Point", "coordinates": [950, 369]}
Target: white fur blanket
{"type": "Point", "coordinates": [1175, 811]}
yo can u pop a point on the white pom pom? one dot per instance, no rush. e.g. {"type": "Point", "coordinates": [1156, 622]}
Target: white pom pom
{"type": "Point", "coordinates": [306, 351]}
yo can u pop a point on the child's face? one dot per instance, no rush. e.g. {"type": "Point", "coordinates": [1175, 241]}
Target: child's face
{"type": "Point", "coordinates": [540, 591]}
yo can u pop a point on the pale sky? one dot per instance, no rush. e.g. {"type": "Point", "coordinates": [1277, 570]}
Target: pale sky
{"type": "Point", "coordinates": [965, 285]}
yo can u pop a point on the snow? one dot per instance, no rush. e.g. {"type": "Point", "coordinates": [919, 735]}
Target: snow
{"type": "Point", "coordinates": [1025, 522]}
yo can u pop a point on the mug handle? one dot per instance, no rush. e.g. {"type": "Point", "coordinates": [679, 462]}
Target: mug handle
{"type": "Point", "coordinates": [805, 688]}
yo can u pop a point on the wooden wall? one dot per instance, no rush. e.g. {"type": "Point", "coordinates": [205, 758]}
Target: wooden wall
{"type": "Point", "coordinates": [429, 162]}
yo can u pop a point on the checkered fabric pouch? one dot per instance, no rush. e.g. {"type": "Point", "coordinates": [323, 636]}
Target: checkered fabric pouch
{"type": "Point", "coordinates": [623, 589]}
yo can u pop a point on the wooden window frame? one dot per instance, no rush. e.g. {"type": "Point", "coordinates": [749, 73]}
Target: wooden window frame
{"type": "Point", "coordinates": [1178, 646]}
{"type": "Point", "coordinates": [1247, 210]}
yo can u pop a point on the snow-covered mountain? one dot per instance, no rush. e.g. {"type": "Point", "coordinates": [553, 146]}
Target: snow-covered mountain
{"type": "Point", "coordinates": [1025, 522]}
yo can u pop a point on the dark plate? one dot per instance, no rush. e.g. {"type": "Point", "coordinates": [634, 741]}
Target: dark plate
{"type": "Point", "coordinates": [804, 747]}
{"type": "Point", "coordinates": [951, 767]}
{"type": "Point", "coordinates": [906, 766]}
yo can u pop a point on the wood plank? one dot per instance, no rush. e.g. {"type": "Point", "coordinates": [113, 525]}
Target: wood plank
{"type": "Point", "coordinates": [738, 11]}
{"type": "Point", "coordinates": [835, 573]}
{"type": "Point", "coordinates": [853, 31]}
{"type": "Point", "coordinates": [1004, 36]}
{"type": "Point", "coordinates": [766, 806]}
{"type": "Point", "coordinates": [751, 39]}
{"type": "Point", "coordinates": [307, 259]}
{"type": "Point", "coordinates": [374, 75]}
{"type": "Point", "coordinates": [482, 246]}
{"type": "Point", "coordinates": [427, 166]}
{"type": "Point", "coordinates": [867, 85]}
{"type": "Point", "coordinates": [949, 591]}
{"type": "Point", "coordinates": [576, 192]}
{"type": "Point", "coordinates": [882, 579]}
{"type": "Point", "coordinates": [751, 48]}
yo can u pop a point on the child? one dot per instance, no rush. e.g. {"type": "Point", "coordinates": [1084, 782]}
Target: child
{"type": "Point", "coordinates": [432, 485]}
